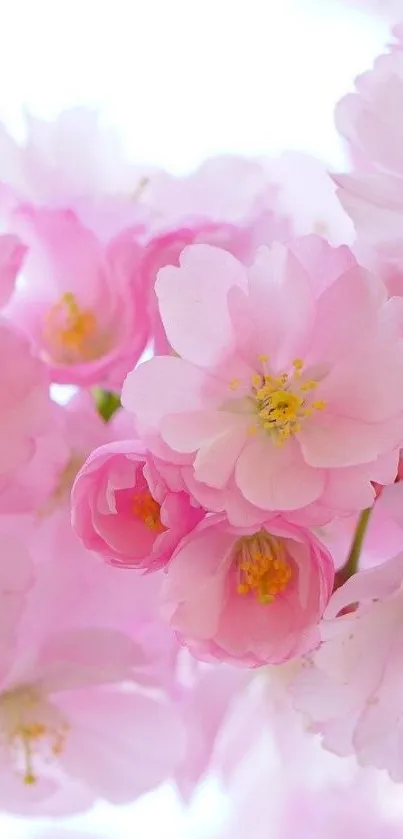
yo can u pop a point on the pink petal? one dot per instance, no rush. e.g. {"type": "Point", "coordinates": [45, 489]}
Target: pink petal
{"type": "Point", "coordinates": [328, 441]}
{"type": "Point", "coordinates": [193, 303]}
{"type": "Point", "coordinates": [164, 385]}
{"type": "Point", "coordinates": [275, 278]}
{"type": "Point", "coordinates": [277, 478]}
{"type": "Point", "coordinates": [12, 252]}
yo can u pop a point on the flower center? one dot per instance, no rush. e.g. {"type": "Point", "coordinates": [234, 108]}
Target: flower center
{"type": "Point", "coordinates": [146, 508]}
{"type": "Point", "coordinates": [30, 728]}
{"type": "Point", "coordinates": [283, 401]}
{"type": "Point", "coordinates": [72, 333]}
{"type": "Point", "coordinates": [262, 566]}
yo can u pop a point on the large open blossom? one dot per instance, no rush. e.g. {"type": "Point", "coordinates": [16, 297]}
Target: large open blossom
{"type": "Point", "coordinates": [283, 390]}
{"type": "Point", "coordinates": [248, 597]}
{"type": "Point", "coordinates": [351, 687]}
{"type": "Point", "coordinates": [123, 509]}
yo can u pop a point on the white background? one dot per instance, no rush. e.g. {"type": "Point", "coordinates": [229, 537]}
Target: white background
{"type": "Point", "coordinates": [184, 79]}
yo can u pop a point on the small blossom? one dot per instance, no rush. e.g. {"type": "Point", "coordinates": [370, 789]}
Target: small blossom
{"type": "Point", "coordinates": [248, 597]}
{"type": "Point", "coordinates": [123, 509]}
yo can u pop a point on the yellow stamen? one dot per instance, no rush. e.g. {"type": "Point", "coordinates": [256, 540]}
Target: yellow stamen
{"type": "Point", "coordinates": [25, 734]}
{"type": "Point", "coordinates": [262, 566]}
{"type": "Point", "coordinates": [72, 333]}
{"type": "Point", "coordinates": [282, 401]}
{"type": "Point", "coordinates": [234, 384]}
{"type": "Point", "coordinates": [146, 508]}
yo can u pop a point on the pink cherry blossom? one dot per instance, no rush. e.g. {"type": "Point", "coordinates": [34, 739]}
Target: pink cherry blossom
{"type": "Point", "coordinates": [281, 397]}
{"type": "Point", "coordinates": [225, 189]}
{"type": "Point", "coordinates": [44, 483]}
{"type": "Point", "coordinates": [92, 593]}
{"type": "Point", "coordinates": [248, 597]}
{"type": "Point", "coordinates": [205, 701]}
{"type": "Point", "coordinates": [74, 162]}
{"type": "Point", "coordinates": [27, 412]}
{"type": "Point", "coordinates": [16, 578]}
{"type": "Point", "coordinates": [370, 121]}
{"type": "Point", "coordinates": [77, 717]}
{"type": "Point", "coordinates": [351, 687]}
{"type": "Point", "coordinates": [123, 509]}
{"type": "Point", "coordinates": [307, 196]}
{"type": "Point", "coordinates": [81, 304]}
{"type": "Point", "coordinates": [64, 712]}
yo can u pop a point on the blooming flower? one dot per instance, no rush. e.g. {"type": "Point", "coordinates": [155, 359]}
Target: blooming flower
{"type": "Point", "coordinates": [65, 711]}
{"type": "Point", "coordinates": [75, 637]}
{"type": "Point", "coordinates": [370, 121]}
{"type": "Point", "coordinates": [279, 397]}
{"type": "Point", "coordinates": [76, 163]}
{"type": "Point", "coordinates": [248, 597]}
{"type": "Point", "coordinates": [351, 686]}
{"type": "Point", "coordinates": [123, 509]}
{"type": "Point", "coordinates": [26, 415]}
{"type": "Point", "coordinates": [80, 303]}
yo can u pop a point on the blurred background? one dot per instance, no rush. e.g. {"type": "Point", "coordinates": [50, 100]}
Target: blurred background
{"type": "Point", "coordinates": [182, 80]}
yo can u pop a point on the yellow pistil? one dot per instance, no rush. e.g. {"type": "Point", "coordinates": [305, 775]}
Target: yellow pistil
{"type": "Point", "coordinates": [30, 728]}
{"type": "Point", "coordinates": [282, 401]}
{"type": "Point", "coordinates": [146, 508]}
{"type": "Point", "coordinates": [72, 333]}
{"type": "Point", "coordinates": [262, 566]}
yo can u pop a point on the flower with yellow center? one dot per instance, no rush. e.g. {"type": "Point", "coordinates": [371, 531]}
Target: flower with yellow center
{"type": "Point", "coordinates": [146, 508]}
{"type": "Point", "coordinates": [262, 566]}
{"type": "Point", "coordinates": [72, 333]}
{"type": "Point", "coordinates": [283, 402]}
{"type": "Point", "coordinates": [31, 730]}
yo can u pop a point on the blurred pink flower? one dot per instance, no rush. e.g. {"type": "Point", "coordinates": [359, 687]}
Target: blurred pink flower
{"type": "Point", "coordinates": [86, 670]}
{"type": "Point", "coordinates": [248, 597]}
{"type": "Point", "coordinates": [270, 405]}
{"type": "Point", "coordinates": [16, 578]}
{"type": "Point", "coordinates": [26, 414]}
{"type": "Point", "coordinates": [306, 195]}
{"type": "Point", "coordinates": [65, 711]}
{"type": "Point", "coordinates": [370, 121]}
{"type": "Point", "coordinates": [73, 162]}
{"type": "Point", "coordinates": [351, 687]}
{"type": "Point", "coordinates": [205, 702]}
{"type": "Point", "coordinates": [123, 509]}
{"type": "Point", "coordinates": [225, 189]}
{"type": "Point", "coordinates": [80, 304]}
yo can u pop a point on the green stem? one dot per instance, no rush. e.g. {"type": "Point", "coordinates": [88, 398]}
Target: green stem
{"type": "Point", "coordinates": [107, 402]}
{"type": "Point", "coordinates": [351, 565]}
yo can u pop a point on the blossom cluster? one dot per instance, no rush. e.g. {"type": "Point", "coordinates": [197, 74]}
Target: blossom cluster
{"type": "Point", "coordinates": [201, 504]}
